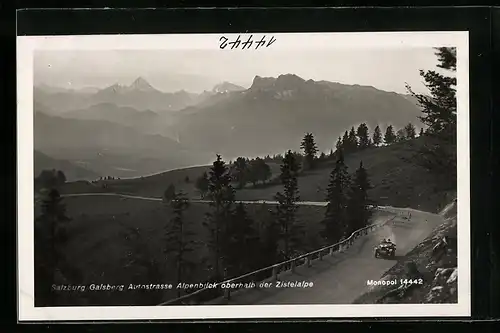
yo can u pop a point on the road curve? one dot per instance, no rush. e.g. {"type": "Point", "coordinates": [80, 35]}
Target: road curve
{"type": "Point", "coordinates": [341, 278]}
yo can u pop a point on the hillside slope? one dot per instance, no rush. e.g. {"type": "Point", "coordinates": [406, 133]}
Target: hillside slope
{"type": "Point", "coordinates": [396, 180]}
{"type": "Point", "coordinates": [437, 267]}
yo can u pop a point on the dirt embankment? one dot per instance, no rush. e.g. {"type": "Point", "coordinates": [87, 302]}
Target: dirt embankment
{"type": "Point", "coordinates": [430, 269]}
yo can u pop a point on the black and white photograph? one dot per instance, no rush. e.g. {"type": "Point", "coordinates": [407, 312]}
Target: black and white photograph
{"type": "Point", "coordinates": [243, 175]}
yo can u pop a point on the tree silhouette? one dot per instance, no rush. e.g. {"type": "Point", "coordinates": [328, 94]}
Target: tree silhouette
{"type": "Point", "coordinates": [259, 171]}
{"type": "Point", "coordinates": [410, 131]}
{"type": "Point", "coordinates": [358, 208]}
{"type": "Point", "coordinates": [439, 111]}
{"type": "Point", "coordinates": [241, 168]}
{"type": "Point", "coordinates": [287, 207]}
{"type": "Point", "coordinates": [217, 219]}
{"type": "Point", "coordinates": [202, 184]}
{"type": "Point", "coordinates": [345, 141]}
{"type": "Point", "coordinates": [140, 256]}
{"type": "Point", "coordinates": [353, 141]}
{"type": "Point", "coordinates": [389, 137]}
{"type": "Point", "coordinates": [50, 241]}
{"type": "Point", "coordinates": [335, 220]}
{"type": "Point", "coordinates": [400, 135]}
{"type": "Point", "coordinates": [243, 243]}
{"type": "Point", "coordinates": [310, 149]}
{"type": "Point", "coordinates": [377, 136]}
{"type": "Point", "coordinates": [178, 236]}
{"type": "Point", "coordinates": [363, 136]}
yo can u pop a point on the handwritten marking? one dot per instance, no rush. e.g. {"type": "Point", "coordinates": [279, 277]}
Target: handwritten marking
{"type": "Point", "coordinates": [245, 44]}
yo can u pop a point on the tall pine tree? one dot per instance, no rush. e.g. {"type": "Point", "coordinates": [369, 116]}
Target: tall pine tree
{"type": "Point", "coordinates": [358, 207]}
{"type": "Point", "coordinates": [179, 238]}
{"type": "Point", "coordinates": [217, 219]}
{"type": "Point", "coordinates": [410, 131]}
{"type": "Point", "coordinates": [50, 241]}
{"type": "Point", "coordinates": [287, 207]}
{"type": "Point", "coordinates": [243, 243]}
{"type": "Point", "coordinates": [400, 135]}
{"type": "Point", "coordinates": [439, 112]}
{"type": "Point", "coordinates": [335, 221]}
{"type": "Point", "coordinates": [363, 136]}
{"type": "Point", "coordinates": [377, 136]}
{"type": "Point", "coordinates": [202, 184]}
{"type": "Point", "coordinates": [390, 136]}
{"type": "Point", "coordinates": [308, 145]}
{"type": "Point", "coordinates": [241, 171]}
{"type": "Point", "coordinates": [345, 141]}
{"type": "Point", "coordinates": [353, 141]}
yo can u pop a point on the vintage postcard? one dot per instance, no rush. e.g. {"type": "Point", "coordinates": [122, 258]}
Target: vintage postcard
{"type": "Point", "coordinates": [224, 176]}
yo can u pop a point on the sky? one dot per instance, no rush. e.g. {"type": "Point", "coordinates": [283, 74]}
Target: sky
{"type": "Point", "coordinates": [197, 70]}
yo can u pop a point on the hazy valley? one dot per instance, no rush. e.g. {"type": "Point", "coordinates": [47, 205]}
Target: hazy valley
{"type": "Point", "coordinates": [128, 131]}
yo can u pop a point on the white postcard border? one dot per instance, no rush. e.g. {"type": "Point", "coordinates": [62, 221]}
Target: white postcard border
{"type": "Point", "coordinates": [26, 45]}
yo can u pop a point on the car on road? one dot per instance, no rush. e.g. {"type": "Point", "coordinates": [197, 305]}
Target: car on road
{"type": "Point", "coordinates": [385, 249]}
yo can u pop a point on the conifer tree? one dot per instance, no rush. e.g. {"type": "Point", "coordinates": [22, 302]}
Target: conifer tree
{"type": "Point", "coordinates": [242, 169]}
{"type": "Point", "coordinates": [217, 219]}
{"type": "Point", "coordinates": [377, 136]}
{"type": "Point", "coordinates": [335, 220]}
{"type": "Point", "coordinates": [202, 184]}
{"type": "Point", "coordinates": [345, 142]}
{"type": "Point", "coordinates": [400, 135]}
{"type": "Point", "coordinates": [363, 136]}
{"type": "Point", "coordinates": [421, 132]}
{"type": "Point", "coordinates": [339, 144]}
{"type": "Point", "coordinates": [287, 207]}
{"type": "Point", "coordinates": [390, 136]}
{"type": "Point", "coordinates": [353, 140]}
{"type": "Point", "coordinates": [243, 242]}
{"type": "Point", "coordinates": [439, 111]}
{"type": "Point", "coordinates": [178, 236]}
{"type": "Point", "coordinates": [358, 208]}
{"type": "Point", "coordinates": [410, 131]}
{"type": "Point", "coordinates": [49, 242]}
{"type": "Point", "coordinates": [308, 145]}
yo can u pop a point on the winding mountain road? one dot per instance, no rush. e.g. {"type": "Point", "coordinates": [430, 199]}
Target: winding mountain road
{"type": "Point", "coordinates": [342, 277]}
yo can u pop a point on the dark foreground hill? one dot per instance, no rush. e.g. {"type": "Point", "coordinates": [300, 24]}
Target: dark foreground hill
{"type": "Point", "coordinates": [99, 232]}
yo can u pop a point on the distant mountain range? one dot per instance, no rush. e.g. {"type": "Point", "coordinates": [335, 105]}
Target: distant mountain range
{"type": "Point", "coordinates": [274, 114]}
{"type": "Point", "coordinates": [137, 129]}
{"type": "Point", "coordinates": [139, 95]}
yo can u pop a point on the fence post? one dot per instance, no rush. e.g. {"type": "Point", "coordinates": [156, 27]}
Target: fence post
{"type": "Point", "coordinates": [308, 261]}
{"type": "Point", "coordinates": [275, 273]}
{"type": "Point", "coordinates": [320, 255]}
{"type": "Point", "coordinates": [292, 266]}
{"type": "Point", "coordinates": [331, 251]}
